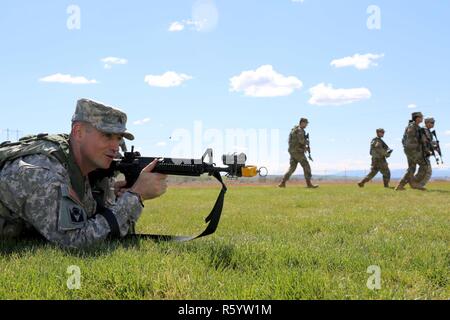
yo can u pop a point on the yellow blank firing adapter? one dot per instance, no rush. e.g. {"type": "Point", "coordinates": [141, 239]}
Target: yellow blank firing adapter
{"type": "Point", "coordinates": [249, 171]}
{"type": "Point", "coordinates": [252, 171]}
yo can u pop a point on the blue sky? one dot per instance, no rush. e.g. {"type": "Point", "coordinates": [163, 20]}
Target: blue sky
{"type": "Point", "coordinates": [235, 65]}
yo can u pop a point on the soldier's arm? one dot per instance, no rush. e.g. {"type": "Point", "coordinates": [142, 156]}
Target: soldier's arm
{"type": "Point", "coordinates": [38, 194]}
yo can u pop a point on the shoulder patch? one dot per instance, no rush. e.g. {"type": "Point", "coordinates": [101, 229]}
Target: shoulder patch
{"type": "Point", "coordinates": [71, 214]}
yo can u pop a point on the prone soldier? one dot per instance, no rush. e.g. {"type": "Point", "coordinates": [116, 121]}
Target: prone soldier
{"type": "Point", "coordinates": [45, 188]}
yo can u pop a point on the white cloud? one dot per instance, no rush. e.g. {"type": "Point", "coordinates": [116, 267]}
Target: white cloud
{"type": "Point", "coordinates": [166, 80]}
{"type": "Point", "coordinates": [141, 122]}
{"type": "Point", "coordinates": [67, 79]}
{"type": "Point", "coordinates": [161, 144]}
{"type": "Point", "coordinates": [447, 133]}
{"type": "Point", "coordinates": [360, 62]}
{"type": "Point", "coordinates": [264, 82]}
{"type": "Point", "coordinates": [197, 25]}
{"type": "Point", "coordinates": [176, 26]}
{"type": "Point", "coordinates": [412, 106]}
{"type": "Point", "coordinates": [323, 95]}
{"type": "Point", "coordinates": [110, 61]}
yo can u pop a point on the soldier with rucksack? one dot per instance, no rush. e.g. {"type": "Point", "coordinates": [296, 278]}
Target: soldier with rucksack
{"type": "Point", "coordinates": [45, 188]}
{"type": "Point", "coordinates": [414, 150]}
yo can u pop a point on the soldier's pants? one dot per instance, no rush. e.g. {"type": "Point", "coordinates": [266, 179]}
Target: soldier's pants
{"type": "Point", "coordinates": [414, 160]}
{"type": "Point", "coordinates": [379, 165]}
{"type": "Point", "coordinates": [425, 172]}
{"type": "Point", "coordinates": [295, 160]}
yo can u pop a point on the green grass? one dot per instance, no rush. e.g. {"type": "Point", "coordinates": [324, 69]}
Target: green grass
{"type": "Point", "coordinates": [292, 243]}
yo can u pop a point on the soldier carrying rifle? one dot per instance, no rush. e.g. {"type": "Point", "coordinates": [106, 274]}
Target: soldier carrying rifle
{"type": "Point", "coordinates": [379, 151]}
{"type": "Point", "coordinates": [298, 146]}
{"type": "Point", "coordinates": [430, 148]}
{"type": "Point", "coordinates": [414, 151]}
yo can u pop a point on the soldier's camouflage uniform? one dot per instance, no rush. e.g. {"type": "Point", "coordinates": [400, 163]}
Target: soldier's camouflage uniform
{"type": "Point", "coordinates": [427, 170]}
{"type": "Point", "coordinates": [414, 150]}
{"type": "Point", "coordinates": [298, 145]}
{"type": "Point", "coordinates": [379, 152]}
{"type": "Point", "coordinates": [39, 193]}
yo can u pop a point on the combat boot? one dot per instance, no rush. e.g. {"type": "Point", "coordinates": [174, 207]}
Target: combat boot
{"type": "Point", "coordinates": [362, 182]}
{"type": "Point", "coordinates": [310, 185]}
{"type": "Point", "coordinates": [386, 184]}
{"type": "Point", "coordinates": [282, 184]}
{"type": "Point", "coordinates": [400, 187]}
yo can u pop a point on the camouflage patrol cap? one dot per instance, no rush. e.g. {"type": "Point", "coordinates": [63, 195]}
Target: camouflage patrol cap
{"type": "Point", "coordinates": [429, 120]}
{"type": "Point", "coordinates": [104, 118]}
{"type": "Point", "coordinates": [416, 114]}
{"type": "Point", "coordinates": [380, 130]}
{"type": "Point", "coordinates": [304, 120]}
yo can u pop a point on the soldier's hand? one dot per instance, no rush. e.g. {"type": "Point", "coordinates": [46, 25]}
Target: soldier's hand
{"type": "Point", "coordinates": [119, 188]}
{"type": "Point", "coordinates": [150, 185]}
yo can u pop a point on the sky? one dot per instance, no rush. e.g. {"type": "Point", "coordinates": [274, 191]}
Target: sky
{"type": "Point", "coordinates": [232, 75]}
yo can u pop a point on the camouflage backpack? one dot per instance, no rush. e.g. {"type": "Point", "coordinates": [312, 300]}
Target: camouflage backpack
{"type": "Point", "coordinates": [50, 145]}
{"type": "Point", "coordinates": [293, 136]}
{"type": "Point", "coordinates": [55, 145]}
{"type": "Point", "coordinates": [405, 135]}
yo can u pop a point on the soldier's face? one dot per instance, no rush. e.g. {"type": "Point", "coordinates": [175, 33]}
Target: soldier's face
{"type": "Point", "coordinates": [429, 125]}
{"type": "Point", "coordinates": [303, 125]}
{"type": "Point", "coordinates": [99, 148]}
{"type": "Point", "coordinates": [380, 134]}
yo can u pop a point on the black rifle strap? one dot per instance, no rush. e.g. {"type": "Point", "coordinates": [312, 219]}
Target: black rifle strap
{"type": "Point", "coordinates": [212, 219]}
{"type": "Point", "coordinates": [111, 219]}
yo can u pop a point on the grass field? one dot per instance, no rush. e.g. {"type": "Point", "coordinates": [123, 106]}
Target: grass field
{"type": "Point", "coordinates": [292, 243]}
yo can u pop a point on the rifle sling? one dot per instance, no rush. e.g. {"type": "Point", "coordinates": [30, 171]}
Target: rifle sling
{"type": "Point", "coordinates": [212, 219]}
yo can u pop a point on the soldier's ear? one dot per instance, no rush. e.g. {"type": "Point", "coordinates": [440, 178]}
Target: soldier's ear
{"type": "Point", "coordinates": [78, 130]}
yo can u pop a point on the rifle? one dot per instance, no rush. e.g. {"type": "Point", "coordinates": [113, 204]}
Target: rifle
{"type": "Point", "coordinates": [132, 163]}
{"type": "Point", "coordinates": [436, 148]}
{"type": "Point", "coordinates": [386, 147]}
{"type": "Point", "coordinates": [308, 149]}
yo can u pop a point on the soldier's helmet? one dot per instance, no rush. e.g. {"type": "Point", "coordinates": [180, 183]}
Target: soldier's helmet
{"type": "Point", "coordinates": [104, 118]}
{"type": "Point", "coordinates": [380, 130]}
{"type": "Point", "coordinates": [429, 120]}
{"type": "Point", "coordinates": [304, 120]}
